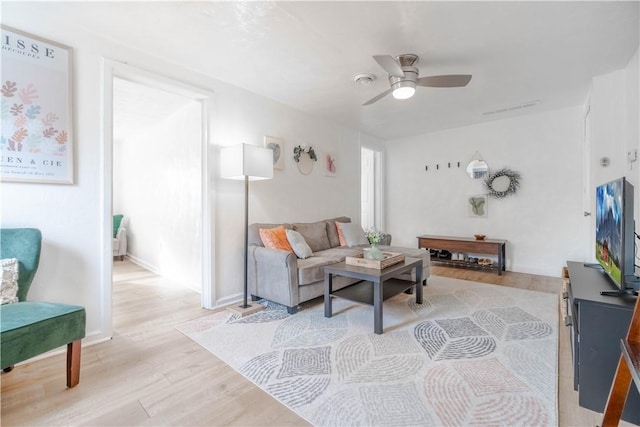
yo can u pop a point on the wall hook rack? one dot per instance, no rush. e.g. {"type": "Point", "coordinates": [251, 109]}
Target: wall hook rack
{"type": "Point", "coordinates": [449, 166]}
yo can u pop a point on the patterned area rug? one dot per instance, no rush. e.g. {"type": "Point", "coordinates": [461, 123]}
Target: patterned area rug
{"type": "Point", "coordinates": [471, 354]}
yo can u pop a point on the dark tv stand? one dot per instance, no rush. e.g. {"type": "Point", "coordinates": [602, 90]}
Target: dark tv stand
{"type": "Point", "coordinates": [596, 324]}
{"type": "Point", "coordinates": [626, 291]}
{"type": "Point", "coordinates": [619, 292]}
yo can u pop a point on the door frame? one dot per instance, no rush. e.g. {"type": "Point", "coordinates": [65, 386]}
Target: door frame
{"type": "Point", "coordinates": [378, 184]}
{"type": "Point", "coordinates": [110, 70]}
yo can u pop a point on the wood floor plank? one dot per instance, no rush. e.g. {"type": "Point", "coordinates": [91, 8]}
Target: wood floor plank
{"type": "Point", "coordinates": [151, 374]}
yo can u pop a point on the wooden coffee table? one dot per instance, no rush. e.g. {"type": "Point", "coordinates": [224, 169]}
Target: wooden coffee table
{"type": "Point", "coordinates": [374, 287]}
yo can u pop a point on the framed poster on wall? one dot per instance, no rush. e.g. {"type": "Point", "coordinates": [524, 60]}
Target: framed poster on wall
{"type": "Point", "coordinates": [37, 113]}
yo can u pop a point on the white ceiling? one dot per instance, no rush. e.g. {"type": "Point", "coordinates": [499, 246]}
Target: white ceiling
{"type": "Point", "coordinates": [137, 107]}
{"type": "Point", "coordinates": [305, 54]}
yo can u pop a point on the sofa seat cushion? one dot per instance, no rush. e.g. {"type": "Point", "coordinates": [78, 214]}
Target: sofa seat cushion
{"type": "Point", "coordinates": [315, 234]}
{"type": "Point", "coordinates": [410, 252]}
{"type": "Point", "coordinates": [341, 252]}
{"type": "Point", "coordinates": [311, 270]}
{"type": "Point", "coordinates": [30, 328]}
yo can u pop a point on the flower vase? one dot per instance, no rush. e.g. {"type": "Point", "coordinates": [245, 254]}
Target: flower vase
{"type": "Point", "coordinates": [374, 253]}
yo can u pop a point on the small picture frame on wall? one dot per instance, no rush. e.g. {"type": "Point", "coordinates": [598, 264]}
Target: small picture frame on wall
{"type": "Point", "coordinates": [330, 164]}
{"type": "Point", "coordinates": [477, 206]}
{"type": "Point", "coordinates": [277, 145]}
{"type": "Point", "coordinates": [37, 111]}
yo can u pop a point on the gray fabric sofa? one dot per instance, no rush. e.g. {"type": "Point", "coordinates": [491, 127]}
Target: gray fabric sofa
{"type": "Point", "coordinates": [281, 277]}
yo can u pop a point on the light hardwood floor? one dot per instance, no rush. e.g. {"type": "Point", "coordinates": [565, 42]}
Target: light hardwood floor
{"type": "Point", "coordinates": [150, 374]}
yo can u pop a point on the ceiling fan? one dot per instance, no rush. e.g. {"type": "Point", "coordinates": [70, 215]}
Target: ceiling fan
{"type": "Point", "coordinates": [403, 77]}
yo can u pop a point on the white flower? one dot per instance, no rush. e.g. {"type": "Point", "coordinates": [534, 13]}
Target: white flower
{"type": "Point", "coordinates": [374, 236]}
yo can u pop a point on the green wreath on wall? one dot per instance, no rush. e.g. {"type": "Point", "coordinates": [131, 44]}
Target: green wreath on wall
{"type": "Point", "coordinates": [502, 183]}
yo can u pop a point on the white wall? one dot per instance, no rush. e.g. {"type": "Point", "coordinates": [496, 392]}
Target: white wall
{"type": "Point", "coordinates": [75, 266]}
{"type": "Point", "coordinates": [542, 222]}
{"type": "Point", "coordinates": [157, 186]}
{"type": "Point", "coordinates": [75, 263]}
{"type": "Point", "coordinates": [615, 129]}
{"type": "Point", "coordinates": [290, 196]}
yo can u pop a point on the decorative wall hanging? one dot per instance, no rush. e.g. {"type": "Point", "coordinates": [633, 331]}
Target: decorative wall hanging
{"type": "Point", "coordinates": [477, 168]}
{"type": "Point", "coordinates": [502, 183]}
{"type": "Point", "coordinates": [37, 114]}
{"type": "Point", "coordinates": [477, 206]}
{"type": "Point", "coordinates": [277, 145]}
{"type": "Point", "coordinates": [305, 158]}
{"type": "Point", "coordinates": [330, 166]}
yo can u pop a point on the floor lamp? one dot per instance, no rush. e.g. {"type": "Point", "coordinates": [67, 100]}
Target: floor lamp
{"type": "Point", "coordinates": [249, 163]}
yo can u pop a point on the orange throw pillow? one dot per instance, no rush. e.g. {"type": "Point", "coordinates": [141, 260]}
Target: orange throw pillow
{"type": "Point", "coordinates": [275, 238]}
{"type": "Point", "coordinates": [343, 241]}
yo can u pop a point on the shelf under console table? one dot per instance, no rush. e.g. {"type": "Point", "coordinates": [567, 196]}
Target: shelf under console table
{"type": "Point", "coordinates": [596, 325]}
{"type": "Point", "coordinates": [466, 245]}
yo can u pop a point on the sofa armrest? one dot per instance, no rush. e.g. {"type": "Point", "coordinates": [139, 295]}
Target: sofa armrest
{"type": "Point", "coordinates": [273, 274]}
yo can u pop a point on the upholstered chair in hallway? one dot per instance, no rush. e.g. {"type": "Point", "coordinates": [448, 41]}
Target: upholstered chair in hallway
{"type": "Point", "coordinates": [120, 224]}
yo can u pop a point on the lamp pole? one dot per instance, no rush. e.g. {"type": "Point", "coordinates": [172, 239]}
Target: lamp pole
{"type": "Point", "coordinates": [246, 241]}
{"type": "Point", "coordinates": [246, 162]}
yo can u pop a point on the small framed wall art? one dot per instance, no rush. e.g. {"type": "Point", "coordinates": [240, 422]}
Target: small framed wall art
{"type": "Point", "coordinates": [37, 111]}
{"type": "Point", "coordinates": [477, 206]}
{"type": "Point", "coordinates": [277, 145]}
{"type": "Point", "coordinates": [330, 164]}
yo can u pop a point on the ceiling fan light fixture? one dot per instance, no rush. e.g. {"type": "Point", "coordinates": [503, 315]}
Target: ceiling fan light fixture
{"type": "Point", "coordinates": [404, 90]}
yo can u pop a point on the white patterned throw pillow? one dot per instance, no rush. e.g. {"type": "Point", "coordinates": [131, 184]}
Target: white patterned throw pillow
{"type": "Point", "coordinates": [9, 288]}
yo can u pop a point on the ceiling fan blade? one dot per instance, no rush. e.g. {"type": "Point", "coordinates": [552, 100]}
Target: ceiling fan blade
{"type": "Point", "coordinates": [389, 65]}
{"type": "Point", "coordinates": [378, 97]}
{"type": "Point", "coordinates": [451, 80]}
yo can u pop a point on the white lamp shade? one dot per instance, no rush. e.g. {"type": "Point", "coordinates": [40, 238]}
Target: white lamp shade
{"type": "Point", "coordinates": [242, 160]}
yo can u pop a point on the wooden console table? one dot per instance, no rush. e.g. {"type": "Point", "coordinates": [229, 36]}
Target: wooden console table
{"type": "Point", "coordinates": [466, 245]}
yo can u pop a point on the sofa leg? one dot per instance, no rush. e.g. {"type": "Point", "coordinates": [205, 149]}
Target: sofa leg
{"type": "Point", "coordinates": [254, 297]}
{"type": "Point", "coordinates": [292, 310]}
{"type": "Point", "coordinates": [424, 282]}
{"type": "Point", "coordinates": [73, 363]}
{"type": "Point", "coordinates": [7, 369]}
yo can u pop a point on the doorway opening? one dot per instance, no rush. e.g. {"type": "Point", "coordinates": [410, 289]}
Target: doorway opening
{"type": "Point", "coordinates": [156, 179]}
{"type": "Point", "coordinates": [371, 194]}
{"type": "Point", "coordinates": [165, 164]}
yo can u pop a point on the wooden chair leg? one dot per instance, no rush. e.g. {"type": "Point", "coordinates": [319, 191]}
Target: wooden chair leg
{"type": "Point", "coordinates": [617, 395]}
{"type": "Point", "coordinates": [73, 363]}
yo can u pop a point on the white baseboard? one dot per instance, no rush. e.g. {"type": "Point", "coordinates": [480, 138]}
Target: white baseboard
{"type": "Point", "coordinates": [152, 268]}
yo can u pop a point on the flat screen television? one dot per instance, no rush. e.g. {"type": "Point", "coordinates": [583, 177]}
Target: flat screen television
{"type": "Point", "coordinates": [615, 234]}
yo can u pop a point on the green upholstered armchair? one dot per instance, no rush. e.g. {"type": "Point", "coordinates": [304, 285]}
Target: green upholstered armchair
{"type": "Point", "coordinates": [30, 328]}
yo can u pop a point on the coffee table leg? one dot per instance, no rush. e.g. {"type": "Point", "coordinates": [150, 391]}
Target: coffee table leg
{"type": "Point", "coordinates": [328, 288]}
{"type": "Point", "coordinates": [377, 307]}
{"type": "Point", "coordinates": [419, 284]}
